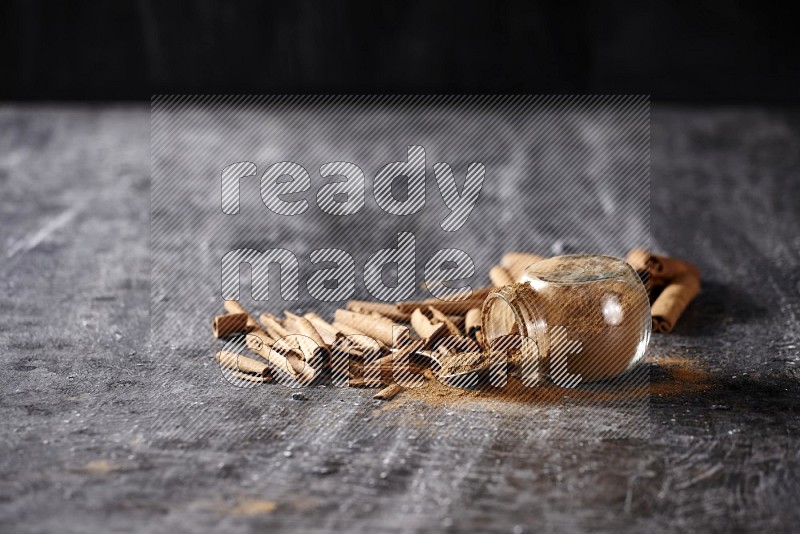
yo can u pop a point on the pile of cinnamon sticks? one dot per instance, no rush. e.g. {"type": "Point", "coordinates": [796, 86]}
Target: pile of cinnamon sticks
{"type": "Point", "coordinates": [671, 283]}
{"type": "Point", "coordinates": [367, 343]}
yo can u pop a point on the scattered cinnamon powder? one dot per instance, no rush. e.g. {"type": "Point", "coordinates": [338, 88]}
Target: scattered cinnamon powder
{"type": "Point", "coordinates": [681, 376]}
{"type": "Point", "coordinates": [670, 376]}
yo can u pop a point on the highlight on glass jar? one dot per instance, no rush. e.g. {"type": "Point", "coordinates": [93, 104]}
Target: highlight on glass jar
{"type": "Point", "coordinates": [587, 316]}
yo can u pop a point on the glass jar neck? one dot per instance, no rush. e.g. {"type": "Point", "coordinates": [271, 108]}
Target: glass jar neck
{"type": "Point", "coordinates": [512, 311]}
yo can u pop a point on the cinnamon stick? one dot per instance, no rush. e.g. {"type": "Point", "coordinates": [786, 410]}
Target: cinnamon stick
{"type": "Point", "coordinates": [454, 307]}
{"type": "Point", "coordinates": [279, 333]}
{"type": "Point", "coordinates": [358, 337]}
{"type": "Point", "coordinates": [425, 328]}
{"type": "Point", "coordinates": [476, 293]}
{"type": "Point", "coordinates": [638, 258]}
{"type": "Point", "coordinates": [346, 362]}
{"type": "Point", "coordinates": [273, 325]}
{"type": "Point", "coordinates": [233, 306]}
{"type": "Point", "coordinates": [457, 320]}
{"type": "Point", "coordinates": [389, 392]}
{"type": "Point", "coordinates": [660, 269]}
{"type": "Point", "coordinates": [385, 309]}
{"type": "Point", "coordinates": [289, 363]}
{"type": "Point", "coordinates": [353, 351]}
{"type": "Point", "coordinates": [669, 268]}
{"type": "Point", "coordinates": [438, 317]}
{"type": "Point", "coordinates": [500, 277]}
{"type": "Point", "coordinates": [473, 326]}
{"type": "Point", "coordinates": [673, 300]}
{"type": "Point", "coordinates": [387, 365]}
{"type": "Point", "coordinates": [361, 382]}
{"type": "Point", "coordinates": [229, 324]}
{"type": "Point", "coordinates": [449, 344]}
{"type": "Point", "coordinates": [326, 331]}
{"type": "Point", "coordinates": [379, 328]}
{"type": "Point", "coordinates": [237, 362]}
{"type": "Point", "coordinates": [238, 375]}
{"type": "Point", "coordinates": [309, 339]}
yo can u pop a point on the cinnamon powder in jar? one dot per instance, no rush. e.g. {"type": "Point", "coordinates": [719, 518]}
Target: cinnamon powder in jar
{"type": "Point", "coordinates": [587, 318]}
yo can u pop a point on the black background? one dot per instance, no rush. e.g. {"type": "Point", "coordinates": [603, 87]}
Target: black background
{"type": "Point", "coordinates": [705, 51]}
{"type": "Point", "coordinates": [102, 430]}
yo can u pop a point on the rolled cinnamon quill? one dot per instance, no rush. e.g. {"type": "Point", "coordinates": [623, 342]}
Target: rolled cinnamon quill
{"type": "Point", "coordinates": [273, 326]}
{"type": "Point", "coordinates": [233, 306]}
{"type": "Point", "coordinates": [472, 325]}
{"type": "Point", "coordinates": [454, 307]}
{"type": "Point", "coordinates": [472, 322]}
{"type": "Point", "coordinates": [673, 300]}
{"type": "Point", "coordinates": [388, 365]}
{"type": "Point", "coordinates": [302, 326]}
{"type": "Point", "coordinates": [238, 375]}
{"type": "Point", "coordinates": [438, 317]}
{"type": "Point", "coordinates": [457, 320]}
{"type": "Point", "coordinates": [237, 362]}
{"type": "Point", "coordinates": [426, 329]}
{"type": "Point", "coordinates": [500, 277]}
{"type": "Point", "coordinates": [383, 308]}
{"type": "Point", "coordinates": [450, 344]}
{"type": "Point", "coordinates": [326, 331]}
{"type": "Point", "coordinates": [229, 324]}
{"type": "Point", "coordinates": [475, 294]}
{"type": "Point", "coordinates": [660, 269]}
{"type": "Point", "coordinates": [359, 337]}
{"type": "Point", "coordinates": [668, 268]}
{"type": "Point", "coordinates": [361, 382]}
{"type": "Point", "coordinates": [290, 363]}
{"type": "Point", "coordinates": [379, 328]}
{"type": "Point", "coordinates": [279, 333]}
{"type": "Point", "coordinates": [389, 392]}
{"type": "Point", "coordinates": [638, 258]}
{"type": "Point", "coordinates": [397, 366]}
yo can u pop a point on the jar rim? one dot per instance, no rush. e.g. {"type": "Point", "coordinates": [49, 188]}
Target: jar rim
{"type": "Point", "coordinates": [523, 314]}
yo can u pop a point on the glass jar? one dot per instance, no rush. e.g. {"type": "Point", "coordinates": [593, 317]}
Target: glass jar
{"type": "Point", "coordinates": [587, 318]}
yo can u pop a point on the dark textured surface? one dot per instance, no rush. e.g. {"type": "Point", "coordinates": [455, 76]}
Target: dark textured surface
{"type": "Point", "coordinates": [99, 433]}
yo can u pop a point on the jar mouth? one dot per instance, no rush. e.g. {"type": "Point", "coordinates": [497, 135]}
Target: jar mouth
{"type": "Point", "coordinates": [507, 320]}
{"type": "Point", "coordinates": [503, 318]}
